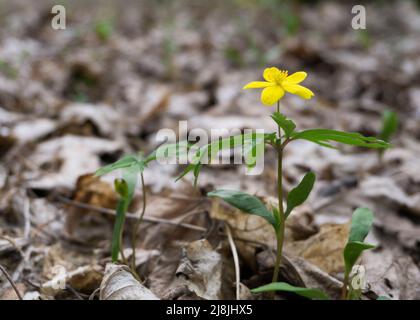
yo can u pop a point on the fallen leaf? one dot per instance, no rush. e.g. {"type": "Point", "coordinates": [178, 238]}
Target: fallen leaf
{"type": "Point", "coordinates": [119, 284]}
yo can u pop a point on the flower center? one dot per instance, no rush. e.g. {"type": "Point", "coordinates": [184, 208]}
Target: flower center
{"type": "Point", "coordinates": [281, 76]}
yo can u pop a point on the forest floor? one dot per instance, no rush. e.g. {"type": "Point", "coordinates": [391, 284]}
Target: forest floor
{"type": "Point", "coordinates": [74, 100]}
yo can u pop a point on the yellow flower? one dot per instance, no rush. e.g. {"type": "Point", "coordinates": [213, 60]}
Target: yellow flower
{"type": "Point", "coordinates": [277, 83]}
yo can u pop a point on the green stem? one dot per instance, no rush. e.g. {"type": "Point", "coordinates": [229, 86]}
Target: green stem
{"type": "Point", "coordinates": [118, 229]}
{"type": "Point", "coordinates": [281, 218]}
{"type": "Point", "coordinates": [136, 228]}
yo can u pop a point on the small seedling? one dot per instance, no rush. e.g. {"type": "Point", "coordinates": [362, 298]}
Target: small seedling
{"type": "Point", "coordinates": [360, 227]}
{"type": "Point", "coordinates": [276, 84]}
{"type": "Point", "coordinates": [361, 223]}
{"type": "Point", "coordinates": [132, 166]}
{"type": "Point", "coordinates": [104, 29]}
{"type": "Point", "coordinates": [8, 70]}
{"type": "Point", "coordinates": [389, 127]}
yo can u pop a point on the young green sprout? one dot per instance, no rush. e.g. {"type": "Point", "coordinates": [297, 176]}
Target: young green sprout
{"type": "Point", "coordinates": [360, 226]}
{"type": "Point", "coordinates": [104, 29]}
{"type": "Point", "coordinates": [361, 223]}
{"type": "Point", "coordinates": [133, 166]}
{"type": "Point", "coordinates": [389, 127]}
{"type": "Point", "coordinates": [276, 84]}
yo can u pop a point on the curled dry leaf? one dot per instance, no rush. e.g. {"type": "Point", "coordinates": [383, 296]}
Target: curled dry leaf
{"type": "Point", "coordinates": [200, 269]}
{"type": "Point", "coordinates": [324, 249]}
{"type": "Point", "coordinates": [119, 284]}
{"type": "Point", "coordinates": [95, 192]}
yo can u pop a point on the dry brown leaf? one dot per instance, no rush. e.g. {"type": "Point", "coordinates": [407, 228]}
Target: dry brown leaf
{"type": "Point", "coordinates": [92, 191]}
{"type": "Point", "coordinates": [324, 249]}
{"type": "Point", "coordinates": [252, 229]}
{"type": "Point", "coordinates": [119, 284]}
{"type": "Point", "coordinates": [200, 269]}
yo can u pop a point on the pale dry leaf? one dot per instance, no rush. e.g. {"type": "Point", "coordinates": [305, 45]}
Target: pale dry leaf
{"type": "Point", "coordinates": [200, 269]}
{"type": "Point", "coordinates": [253, 230]}
{"type": "Point", "coordinates": [104, 117]}
{"type": "Point", "coordinates": [385, 188]}
{"type": "Point", "coordinates": [119, 284]}
{"type": "Point", "coordinates": [392, 273]}
{"type": "Point", "coordinates": [324, 249]}
{"type": "Point", "coordinates": [73, 155]}
{"type": "Point", "coordinates": [84, 279]}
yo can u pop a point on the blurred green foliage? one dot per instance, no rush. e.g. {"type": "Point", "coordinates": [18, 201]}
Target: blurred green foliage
{"type": "Point", "coordinates": [104, 29]}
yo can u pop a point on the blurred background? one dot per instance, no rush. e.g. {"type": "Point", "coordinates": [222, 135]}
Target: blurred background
{"type": "Point", "coordinates": [73, 100]}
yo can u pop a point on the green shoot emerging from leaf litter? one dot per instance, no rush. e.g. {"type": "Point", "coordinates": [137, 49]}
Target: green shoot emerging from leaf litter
{"type": "Point", "coordinates": [360, 225]}
{"type": "Point", "coordinates": [389, 127]}
{"type": "Point", "coordinates": [131, 167]}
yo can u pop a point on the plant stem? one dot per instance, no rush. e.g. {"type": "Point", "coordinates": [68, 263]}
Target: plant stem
{"type": "Point", "coordinates": [136, 228]}
{"type": "Point", "coordinates": [345, 284]}
{"type": "Point", "coordinates": [281, 217]}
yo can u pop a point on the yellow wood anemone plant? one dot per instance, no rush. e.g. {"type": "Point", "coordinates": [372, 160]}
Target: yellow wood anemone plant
{"type": "Point", "coordinates": [276, 83]}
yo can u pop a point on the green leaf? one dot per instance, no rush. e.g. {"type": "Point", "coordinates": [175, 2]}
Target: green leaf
{"type": "Point", "coordinates": [383, 298]}
{"type": "Point", "coordinates": [389, 125]}
{"type": "Point", "coordinates": [188, 169]}
{"type": "Point", "coordinates": [270, 137]}
{"type": "Point", "coordinates": [245, 140]}
{"type": "Point", "coordinates": [360, 226]}
{"type": "Point", "coordinates": [130, 176]}
{"type": "Point", "coordinates": [169, 150]}
{"type": "Point", "coordinates": [104, 29]}
{"type": "Point", "coordinates": [252, 144]}
{"type": "Point", "coordinates": [253, 149]}
{"type": "Point", "coordinates": [124, 162]}
{"type": "Point", "coordinates": [300, 193]}
{"type": "Point", "coordinates": [286, 124]}
{"type": "Point", "coordinates": [352, 252]}
{"type": "Point", "coordinates": [196, 172]}
{"type": "Point", "coordinates": [324, 136]}
{"type": "Point", "coordinates": [246, 203]}
{"type": "Point", "coordinates": [361, 222]}
{"type": "Point", "coordinates": [304, 292]}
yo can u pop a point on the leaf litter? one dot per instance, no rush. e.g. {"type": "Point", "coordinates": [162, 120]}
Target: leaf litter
{"type": "Point", "coordinates": [71, 103]}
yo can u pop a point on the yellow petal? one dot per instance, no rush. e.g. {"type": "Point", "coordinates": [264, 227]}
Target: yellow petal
{"type": "Point", "coordinates": [296, 77]}
{"type": "Point", "coordinates": [271, 74]}
{"type": "Point", "coordinates": [257, 84]}
{"type": "Point", "coordinates": [271, 95]}
{"type": "Point", "coordinates": [299, 90]}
